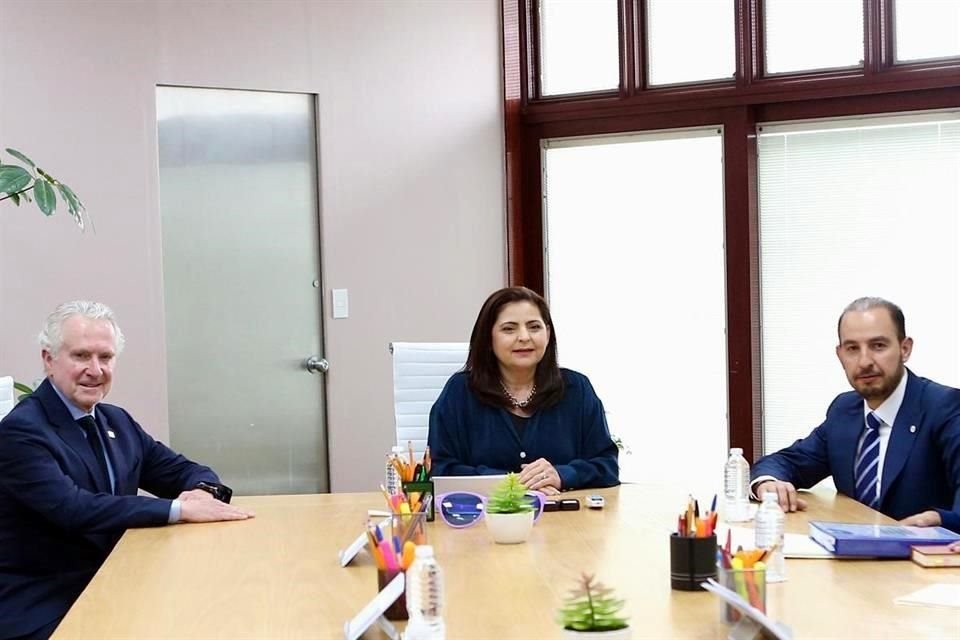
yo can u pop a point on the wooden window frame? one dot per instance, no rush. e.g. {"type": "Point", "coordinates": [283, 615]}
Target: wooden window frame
{"type": "Point", "coordinates": [880, 86]}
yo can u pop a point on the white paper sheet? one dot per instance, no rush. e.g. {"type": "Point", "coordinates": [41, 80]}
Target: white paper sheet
{"type": "Point", "coordinates": [934, 595]}
{"type": "Point", "coordinates": [795, 545]}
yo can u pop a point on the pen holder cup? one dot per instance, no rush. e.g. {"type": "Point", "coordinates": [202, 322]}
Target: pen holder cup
{"type": "Point", "coordinates": [408, 527]}
{"type": "Point", "coordinates": [749, 584]}
{"type": "Point", "coordinates": [420, 491]}
{"type": "Point", "coordinates": [692, 561]}
{"type": "Point", "coordinates": [397, 610]}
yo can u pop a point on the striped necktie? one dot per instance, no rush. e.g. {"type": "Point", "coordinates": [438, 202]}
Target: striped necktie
{"type": "Point", "coordinates": [867, 465]}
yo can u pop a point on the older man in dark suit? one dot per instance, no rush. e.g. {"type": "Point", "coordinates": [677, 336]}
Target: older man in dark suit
{"type": "Point", "coordinates": [70, 469]}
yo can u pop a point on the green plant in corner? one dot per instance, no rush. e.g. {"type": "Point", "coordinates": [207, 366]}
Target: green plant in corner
{"type": "Point", "coordinates": [18, 180]}
{"type": "Point", "coordinates": [509, 496]}
{"type": "Point", "coordinates": [23, 389]}
{"type": "Point", "coordinates": [591, 606]}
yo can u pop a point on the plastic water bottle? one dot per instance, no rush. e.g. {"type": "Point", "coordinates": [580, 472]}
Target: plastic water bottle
{"type": "Point", "coordinates": [425, 597]}
{"type": "Point", "coordinates": [768, 527]}
{"type": "Point", "coordinates": [392, 482]}
{"type": "Point", "coordinates": [736, 487]}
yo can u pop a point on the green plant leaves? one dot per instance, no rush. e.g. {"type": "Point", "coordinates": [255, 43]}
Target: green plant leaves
{"type": "Point", "coordinates": [13, 178]}
{"type": "Point", "coordinates": [23, 389]}
{"type": "Point", "coordinates": [509, 496]}
{"type": "Point", "coordinates": [46, 196]}
{"type": "Point", "coordinates": [19, 156]}
{"type": "Point", "coordinates": [17, 182]}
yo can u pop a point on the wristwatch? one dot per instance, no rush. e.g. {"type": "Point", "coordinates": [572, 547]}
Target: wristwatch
{"type": "Point", "coordinates": [221, 492]}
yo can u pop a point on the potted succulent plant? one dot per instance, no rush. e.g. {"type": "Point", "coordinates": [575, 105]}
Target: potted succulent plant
{"type": "Point", "coordinates": [591, 610]}
{"type": "Point", "coordinates": [509, 514]}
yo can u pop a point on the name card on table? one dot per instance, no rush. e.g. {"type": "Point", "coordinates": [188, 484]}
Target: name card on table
{"type": "Point", "coordinates": [347, 555]}
{"type": "Point", "coordinates": [373, 612]}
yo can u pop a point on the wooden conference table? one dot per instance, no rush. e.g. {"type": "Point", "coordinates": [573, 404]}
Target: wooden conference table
{"type": "Point", "coordinates": [278, 576]}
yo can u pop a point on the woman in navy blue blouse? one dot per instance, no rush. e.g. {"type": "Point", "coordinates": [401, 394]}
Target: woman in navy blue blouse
{"type": "Point", "coordinates": [513, 408]}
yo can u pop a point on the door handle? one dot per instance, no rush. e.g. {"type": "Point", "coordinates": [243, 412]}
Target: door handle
{"type": "Point", "coordinates": [313, 364]}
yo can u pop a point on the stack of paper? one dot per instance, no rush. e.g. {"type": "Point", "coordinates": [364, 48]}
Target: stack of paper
{"type": "Point", "coordinates": [934, 595]}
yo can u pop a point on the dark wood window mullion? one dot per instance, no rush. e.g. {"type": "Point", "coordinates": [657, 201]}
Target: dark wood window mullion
{"type": "Point", "coordinates": [758, 36]}
{"type": "Point", "coordinates": [742, 285]}
{"type": "Point", "coordinates": [886, 34]}
{"type": "Point", "coordinates": [628, 76]}
{"type": "Point", "coordinates": [872, 38]}
{"type": "Point", "coordinates": [534, 56]}
{"type": "Point", "coordinates": [515, 94]}
{"type": "Point", "coordinates": [641, 40]}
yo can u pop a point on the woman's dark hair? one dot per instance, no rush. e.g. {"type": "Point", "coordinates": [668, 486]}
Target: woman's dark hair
{"type": "Point", "coordinates": [483, 368]}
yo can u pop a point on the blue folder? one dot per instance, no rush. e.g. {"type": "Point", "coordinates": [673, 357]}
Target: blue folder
{"type": "Point", "coordinates": [876, 540]}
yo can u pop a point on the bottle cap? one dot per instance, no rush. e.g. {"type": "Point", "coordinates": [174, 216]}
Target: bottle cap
{"type": "Point", "coordinates": [424, 551]}
{"type": "Point", "coordinates": [736, 451]}
{"type": "Point", "coordinates": [771, 496]}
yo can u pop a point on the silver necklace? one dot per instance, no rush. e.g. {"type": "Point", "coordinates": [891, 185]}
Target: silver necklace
{"type": "Point", "coordinates": [520, 404]}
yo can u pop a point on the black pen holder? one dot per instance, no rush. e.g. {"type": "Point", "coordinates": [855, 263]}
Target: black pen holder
{"type": "Point", "coordinates": [422, 491]}
{"type": "Point", "coordinates": [692, 561]}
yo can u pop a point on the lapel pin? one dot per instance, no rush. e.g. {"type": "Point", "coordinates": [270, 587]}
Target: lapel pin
{"type": "Point", "coordinates": [111, 434]}
{"type": "Point", "coordinates": [913, 428]}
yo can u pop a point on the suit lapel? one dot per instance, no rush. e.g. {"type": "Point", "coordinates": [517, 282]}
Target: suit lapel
{"type": "Point", "coordinates": [846, 441]}
{"type": "Point", "coordinates": [902, 435]}
{"type": "Point", "coordinates": [70, 433]}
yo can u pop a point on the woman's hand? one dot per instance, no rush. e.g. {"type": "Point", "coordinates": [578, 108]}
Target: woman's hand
{"type": "Point", "coordinates": [540, 474]}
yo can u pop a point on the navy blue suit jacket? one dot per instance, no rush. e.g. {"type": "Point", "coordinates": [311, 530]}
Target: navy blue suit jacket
{"type": "Point", "coordinates": [58, 519]}
{"type": "Point", "coordinates": [470, 437]}
{"type": "Point", "coordinates": [921, 467]}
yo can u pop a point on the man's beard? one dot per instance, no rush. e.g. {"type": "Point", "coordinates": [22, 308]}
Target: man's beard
{"type": "Point", "coordinates": [884, 389]}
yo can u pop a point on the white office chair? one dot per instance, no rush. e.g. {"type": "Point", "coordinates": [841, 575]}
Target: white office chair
{"type": "Point", "coordinates": [7, 399]}
{"type": "Point", "coordinates": [420, 369]}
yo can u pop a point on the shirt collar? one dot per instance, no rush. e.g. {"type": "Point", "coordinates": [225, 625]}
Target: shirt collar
{"type": "Point", "coordinates": [891, 406]}
{"type": "Point", "coordinates": [75, 412]}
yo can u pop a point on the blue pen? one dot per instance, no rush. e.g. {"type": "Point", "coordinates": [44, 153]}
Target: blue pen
{"type": "Point", "coordinates": [713, 505]}
{"type": "Point", "coordinates": [379, 534]}
{"type": "Point", "coordinates": [396, 544]}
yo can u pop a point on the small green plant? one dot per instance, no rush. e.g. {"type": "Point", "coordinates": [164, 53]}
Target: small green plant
{"type": "Point", "coordinates": [17, 181]}
{"type": "Point", "coordinates": [509, 496]}
{"type": "Point", "coordinates": [23, 389]}
{"type": "Point", "coordinates": [591, 607]}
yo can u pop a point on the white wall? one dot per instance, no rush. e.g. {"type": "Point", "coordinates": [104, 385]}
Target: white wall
{"type": "Point", "coordinates": [411, 154]}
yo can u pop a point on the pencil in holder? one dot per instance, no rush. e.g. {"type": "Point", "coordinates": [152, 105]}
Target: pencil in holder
{"type": "Point", "coordinates": [749, 584]}
{"type": "Point", "coordinates": [422, 490]}
{"type": "Point", "coordinates": [692, 561]}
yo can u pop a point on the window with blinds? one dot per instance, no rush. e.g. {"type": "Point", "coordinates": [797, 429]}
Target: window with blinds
{"type": "Point", "coordinates": [851, 208]}
{"type": "Point", "coordinates": [579, 46]}
{"type": "Point", "coordinates": [810, 35]}
{"type": "Point", "coordinates": [690, 41]}
{"type": "Point", "coordinates": [926, 29]}
{"type": "Point", "coordinates": [634, 231]}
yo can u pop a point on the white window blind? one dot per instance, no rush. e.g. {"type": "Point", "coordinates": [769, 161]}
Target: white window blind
{"type": "Point", "coordinates": [635, 281]}
{"type": "Point", "coordinates": [926, 29]}
{"type": "Point", "coordinates": [806, 35]}
{"type": "Point", "coordinates": [852, 208]}
{"type": "Point", "coordinates": [579, 46]}
{"type": "Point", "coordinates": [690, 41]}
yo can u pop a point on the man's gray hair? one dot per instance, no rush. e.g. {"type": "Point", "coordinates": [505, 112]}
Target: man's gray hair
{"type": "Point", "coordinates": [867, 303]}
{"type": "Point", "coordinates": [51, 337]}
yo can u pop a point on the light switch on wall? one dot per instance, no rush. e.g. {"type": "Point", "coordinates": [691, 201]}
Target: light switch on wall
{"type": "Point", "coordinates": [341, 303]}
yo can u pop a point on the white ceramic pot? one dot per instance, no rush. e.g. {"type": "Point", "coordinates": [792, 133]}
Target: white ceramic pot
{"type": "Point", "coordinates": [618, 634]}
{"type": "Point", "coordinates": [509, 528]}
